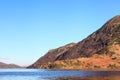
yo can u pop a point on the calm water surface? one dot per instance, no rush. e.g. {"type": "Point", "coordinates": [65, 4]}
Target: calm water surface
{"type": "Point", "coordinates": [50, 74]}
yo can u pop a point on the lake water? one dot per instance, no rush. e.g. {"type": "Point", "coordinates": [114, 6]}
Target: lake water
{"type": "Point", "coordinates": [53, 74]}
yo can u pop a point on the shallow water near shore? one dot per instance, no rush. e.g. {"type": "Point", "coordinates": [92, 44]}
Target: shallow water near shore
{"type": "Point", "coordinates": [57, 74]}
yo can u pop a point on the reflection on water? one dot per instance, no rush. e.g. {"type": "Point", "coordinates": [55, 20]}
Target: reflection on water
{"type": "Point", "coordinates": [97, 77]}
{"type": "Point", "coordinates": [52, 74]}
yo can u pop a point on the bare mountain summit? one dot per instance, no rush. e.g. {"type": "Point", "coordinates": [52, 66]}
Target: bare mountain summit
{"type": "Point", "coordinates": [103, 45]}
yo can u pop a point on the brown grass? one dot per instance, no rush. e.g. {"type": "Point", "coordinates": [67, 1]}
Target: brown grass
{"type": "Point", "coordinates": [96, 62]}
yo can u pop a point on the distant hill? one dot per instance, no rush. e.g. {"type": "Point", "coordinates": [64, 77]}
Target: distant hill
{"type": "Point", "coordinates": [4, 65]}
{"type": "Point", "coordinates": [100, 50]}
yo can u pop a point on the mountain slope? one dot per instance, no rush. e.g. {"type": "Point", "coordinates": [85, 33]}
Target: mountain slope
{"type": "Point", "coordinates": [99, 43]}
{"type": "Point", "coordinates": [96, 41]}
{"type": "Point", "coordinates": [51, 55]}
{"type": "Point", "coordinates": [4, 65]}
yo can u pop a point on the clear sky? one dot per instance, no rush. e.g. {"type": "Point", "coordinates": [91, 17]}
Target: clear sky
{"type": "Point", "coordinates": [29, 28]}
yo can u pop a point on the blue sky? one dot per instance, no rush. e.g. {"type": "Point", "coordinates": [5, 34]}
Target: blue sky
{"type": "Point", "coordinates": [29, 28]}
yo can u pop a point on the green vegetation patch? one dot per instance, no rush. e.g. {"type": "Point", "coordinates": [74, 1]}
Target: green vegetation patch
{"type": "Point", "coordinates": [112, 66]}
{"type": "Point", "coordinates": [97, 67]}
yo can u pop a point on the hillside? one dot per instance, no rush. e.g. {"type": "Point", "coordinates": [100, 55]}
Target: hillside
{"type": "Point", "coordinates": [51, 55]}
{"type": "Point", "coordinates": [4, 65]}
{"type": "Point", "coordinates": [101, 49]}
